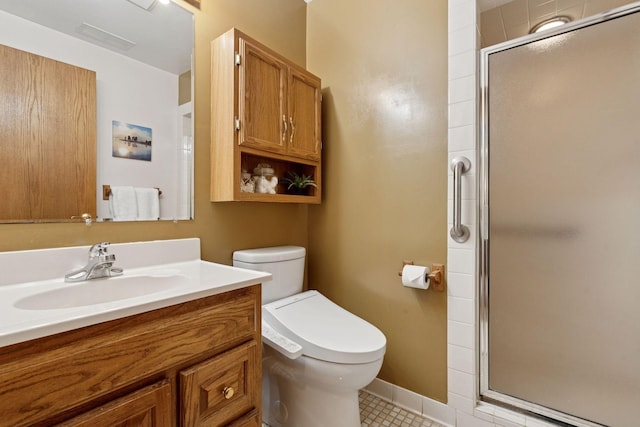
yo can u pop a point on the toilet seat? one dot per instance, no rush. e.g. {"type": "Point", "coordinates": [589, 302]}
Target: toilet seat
{"type": "Point", "coordinates": [325, 330]}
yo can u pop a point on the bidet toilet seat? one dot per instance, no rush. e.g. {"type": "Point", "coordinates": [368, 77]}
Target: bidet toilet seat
{"type": "Point", "coordinates": [316, 354]}
{"type": "Point", "coordinates": [324, 330]}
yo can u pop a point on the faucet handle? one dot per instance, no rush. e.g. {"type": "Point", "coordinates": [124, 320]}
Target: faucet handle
{"type": "Point", "coordinates": [99, 249]}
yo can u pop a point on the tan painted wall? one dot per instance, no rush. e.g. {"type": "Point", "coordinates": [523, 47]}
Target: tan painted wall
{"type": "Point", "coordinates": [222, 227]}
{"type": "Point", "coordinates": [384, 75]}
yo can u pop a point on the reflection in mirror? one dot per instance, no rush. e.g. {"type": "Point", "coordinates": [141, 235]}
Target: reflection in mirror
{"type": "Point", "coordinates": [141, 53]}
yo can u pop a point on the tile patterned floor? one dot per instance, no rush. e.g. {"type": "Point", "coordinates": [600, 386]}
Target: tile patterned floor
{"type": "Point", "coordinates": [376, 412]}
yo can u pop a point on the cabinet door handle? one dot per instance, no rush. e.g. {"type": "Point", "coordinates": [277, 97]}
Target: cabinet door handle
{"type": "Point", "coordinates": [228, 392]}
{"type": "Point", "coordinates": [293, 130]}
{"type": "Point", "coordinates": [85, 216]}
{"type": "Point", "coordinates": [285, 128]}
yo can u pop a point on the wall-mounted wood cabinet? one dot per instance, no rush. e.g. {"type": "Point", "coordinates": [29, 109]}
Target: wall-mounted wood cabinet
{"type": "Point", "coordinates": [265, 109]}
{"type": "Point", "coordinates": [192, 364]}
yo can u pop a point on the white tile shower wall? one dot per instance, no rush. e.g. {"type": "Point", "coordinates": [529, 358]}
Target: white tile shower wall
{"type": "Point", "coordinates": [463, 408]}
{"type": "Point", "coordinates": [462, 370]}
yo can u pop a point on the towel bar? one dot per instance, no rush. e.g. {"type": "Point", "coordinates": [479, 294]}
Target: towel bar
{"type": "Point", "coordinates": [106, 192]}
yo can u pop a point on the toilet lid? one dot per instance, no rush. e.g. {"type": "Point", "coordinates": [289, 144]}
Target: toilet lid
{"type": "Point", "coordinates": [325, 330]}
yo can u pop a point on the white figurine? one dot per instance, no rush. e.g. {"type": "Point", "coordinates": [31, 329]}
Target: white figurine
{"type": "Point", "coordinates": [247, 184]}
{"type": "Point", "coordinates": [265, 185]}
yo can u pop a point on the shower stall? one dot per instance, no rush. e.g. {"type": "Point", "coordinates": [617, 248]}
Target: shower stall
{"type": "Point", "coordinates": [559, 199]}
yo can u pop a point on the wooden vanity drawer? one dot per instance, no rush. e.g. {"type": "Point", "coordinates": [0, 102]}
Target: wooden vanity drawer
{"type": "Point", "coordinates": [148, 407]}
{"type": "Point", "coordinates": [221, 390]}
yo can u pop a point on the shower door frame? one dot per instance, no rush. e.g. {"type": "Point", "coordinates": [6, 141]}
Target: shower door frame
{"type": "Point", "coordinates": [485, 393]}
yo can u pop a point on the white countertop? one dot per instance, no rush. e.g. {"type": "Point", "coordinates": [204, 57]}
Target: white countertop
{"type": "Point", "coordinates": [26, 307]}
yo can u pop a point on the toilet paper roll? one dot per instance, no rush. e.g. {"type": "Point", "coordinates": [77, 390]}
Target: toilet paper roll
{"type": "Point", "coordinates": [415, 276]}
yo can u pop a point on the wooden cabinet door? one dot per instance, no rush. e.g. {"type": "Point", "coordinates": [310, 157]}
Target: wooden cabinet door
{"type": "Point", "coordinates": [222, 390]}
{"type": "Point", "coordinates": [304, 115]}
{"type": "Point", "coordinates": [261, 99]}
{"type": "Point", "coordinates": [47, 138]}
{"type": "Point", "coordinates": [147, 407]}
{"type": "Point", "coordinates": [252, 419]}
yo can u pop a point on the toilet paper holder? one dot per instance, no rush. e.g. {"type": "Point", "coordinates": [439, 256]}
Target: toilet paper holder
{"type": "Point", "coordinates": [436, 275]}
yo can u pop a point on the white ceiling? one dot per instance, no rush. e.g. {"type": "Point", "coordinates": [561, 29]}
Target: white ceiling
{"type": "Point", "coordinates": [515, 18]}
{"type": "Point", "coordinates": [490, 4]}
{"type": "Point", "coordinates": [162, 36]}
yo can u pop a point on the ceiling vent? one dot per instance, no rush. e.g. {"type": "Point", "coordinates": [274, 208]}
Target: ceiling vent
{"type": "Point", "coordinates": [145, 4]}
{"type": "Point", "coordinates": [104, 37]}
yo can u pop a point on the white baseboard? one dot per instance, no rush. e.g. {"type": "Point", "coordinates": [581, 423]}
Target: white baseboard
{"type": "Point", "coordinates": [414, 402]}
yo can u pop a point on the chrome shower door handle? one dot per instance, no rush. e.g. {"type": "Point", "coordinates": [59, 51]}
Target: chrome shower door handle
{"type": "Point", "coordinates": [459, 166]}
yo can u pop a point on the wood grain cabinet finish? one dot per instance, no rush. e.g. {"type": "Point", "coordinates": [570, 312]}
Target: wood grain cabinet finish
{"type": "Point", "coordinates": [150, 369]}
{"type": "Point", "coordinates": [304, 114]}
{"type": "Point", "coordinates": [220, 390]}
{"type": "Point", "coordinates": [262, 113]}
{"type": "Point", "coordinates": [265, 109]}
{"type": "Point", "coordinates": [148, 407]}
{"type": "Point", "coordinates": [47, 138]}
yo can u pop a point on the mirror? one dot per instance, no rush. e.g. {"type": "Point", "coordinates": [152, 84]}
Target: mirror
{"type": "Point", "coordinates": [141, 52]}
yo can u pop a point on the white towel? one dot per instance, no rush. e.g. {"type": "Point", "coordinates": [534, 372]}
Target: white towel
{"type": "Point", "coordinates": [148, 203]}
{"type": "Point", "coordinates": [122, 203]}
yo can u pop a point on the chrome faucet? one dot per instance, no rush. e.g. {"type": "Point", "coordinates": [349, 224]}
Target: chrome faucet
{"type": "Point", "coordinates": [100, 265]}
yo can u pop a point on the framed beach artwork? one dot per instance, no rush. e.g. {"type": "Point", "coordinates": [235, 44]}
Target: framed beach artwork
{"type": "Point", "coordinates": [131, 141]}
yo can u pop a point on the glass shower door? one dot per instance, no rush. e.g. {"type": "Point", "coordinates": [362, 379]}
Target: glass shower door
{"type": "Point", "coordinates": [561, 243]}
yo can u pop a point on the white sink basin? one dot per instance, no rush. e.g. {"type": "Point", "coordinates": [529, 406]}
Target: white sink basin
{"type": "Point", "coordinates": [35, 301]}
{"type": "Point", "coordinates": [100, 291]}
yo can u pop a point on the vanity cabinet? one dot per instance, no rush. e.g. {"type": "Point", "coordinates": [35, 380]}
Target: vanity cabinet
{"type": "Point", "coordinates": [193, 364]}
{"type": "Point", "coordinates": [265, 109]}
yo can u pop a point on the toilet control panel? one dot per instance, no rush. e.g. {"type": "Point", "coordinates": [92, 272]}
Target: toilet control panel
{"type": "Point", "coordinates": [280, 343]}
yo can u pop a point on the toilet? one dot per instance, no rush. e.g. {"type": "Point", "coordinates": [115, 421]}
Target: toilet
{"type": "Point", "coordinates": [316, 355]}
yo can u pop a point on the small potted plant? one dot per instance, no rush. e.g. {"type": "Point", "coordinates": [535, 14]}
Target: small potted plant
{"type": "Point", "coordinates": [298, 184]}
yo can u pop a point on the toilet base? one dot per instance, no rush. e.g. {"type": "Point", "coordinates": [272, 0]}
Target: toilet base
{"type": "Point", "coordinates": [312, 393]}
{"type": "Point", "coordinates": [311, 408]}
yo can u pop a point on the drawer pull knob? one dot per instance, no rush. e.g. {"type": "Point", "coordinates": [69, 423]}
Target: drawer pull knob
{"type": "Point", "coordinates": [228, 392]}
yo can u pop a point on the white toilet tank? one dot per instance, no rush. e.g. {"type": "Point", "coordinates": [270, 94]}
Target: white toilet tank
{"type": "Point", "coordinates": [285, 263]}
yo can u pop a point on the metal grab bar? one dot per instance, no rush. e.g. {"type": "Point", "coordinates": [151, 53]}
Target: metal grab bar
{"type": "Point", "coordinates": [459, 166]}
